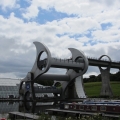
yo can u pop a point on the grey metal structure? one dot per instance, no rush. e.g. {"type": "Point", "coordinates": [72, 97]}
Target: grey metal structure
{"type": "Point", "coordinates": [105, 75]}
{"type": "Point", "coordinates": [103, 63]}
{"type": "Point", "coordinates": [80, 87]}
{"type": "Point", "coordinates": [76, 67]}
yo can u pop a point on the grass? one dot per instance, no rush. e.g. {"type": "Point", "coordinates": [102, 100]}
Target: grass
{"type": "Point", "coordinates": [93, 88]}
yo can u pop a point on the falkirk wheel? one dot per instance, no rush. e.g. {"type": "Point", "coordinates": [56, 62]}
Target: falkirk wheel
{"type": "Point", "coordinates": [71, 81]}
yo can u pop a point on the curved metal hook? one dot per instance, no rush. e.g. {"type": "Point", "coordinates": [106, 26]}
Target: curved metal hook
{"type": "Point", "coordinates": [40, 49]}
{"type": "Point", "coordinates": [79, 54]}
{"type": "Point", "coordinates": [72, 73]}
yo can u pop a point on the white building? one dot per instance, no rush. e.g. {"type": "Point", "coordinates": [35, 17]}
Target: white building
{"type": "Point", "coordinates": [8, 87]}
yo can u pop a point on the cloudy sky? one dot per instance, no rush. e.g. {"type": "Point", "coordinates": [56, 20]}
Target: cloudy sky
{"type": "Point", "coordinates": [92, 26]}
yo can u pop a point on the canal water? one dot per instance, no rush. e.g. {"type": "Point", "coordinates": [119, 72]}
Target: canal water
{"type": "Point", "coordinates": [6, 107]}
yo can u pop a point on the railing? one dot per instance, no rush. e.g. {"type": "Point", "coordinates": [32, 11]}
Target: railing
{"type": "Point", "coordinates": [93, 58]}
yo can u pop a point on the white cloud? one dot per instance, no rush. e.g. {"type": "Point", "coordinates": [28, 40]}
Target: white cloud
{"type": "Point", "coordinates": [95, 13]}
{"type": "Point", "coordinates": [90, 73]}
{"type": "Point", "coordinates": [8, 4]}
{"type": "Point", "coordinates": [17, 36]}
{"type": "Point", "coordinates": [78, 7]}
{"type": "Point", "coordinates": [31, 12]}
{"type": "Point", "coordinates": [7, 75]}
{"type": "Point", "coordinates": [106, 2]}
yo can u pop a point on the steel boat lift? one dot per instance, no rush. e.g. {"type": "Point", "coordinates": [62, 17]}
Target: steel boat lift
{"type": "Point", "coordinates": [71, 81]}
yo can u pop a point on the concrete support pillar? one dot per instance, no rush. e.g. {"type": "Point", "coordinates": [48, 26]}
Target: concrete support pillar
{"type": "Point", "coordinates": [105, 76]}
{"type": "Point", "coordinates": [106, 88]}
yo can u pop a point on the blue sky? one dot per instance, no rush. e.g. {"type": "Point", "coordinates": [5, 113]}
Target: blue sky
{"type": "Point", "coordinates": [87, 25]}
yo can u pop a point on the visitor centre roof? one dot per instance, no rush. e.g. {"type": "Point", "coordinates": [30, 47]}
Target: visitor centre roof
{"type": "Point", "coordinates": [9, 82]}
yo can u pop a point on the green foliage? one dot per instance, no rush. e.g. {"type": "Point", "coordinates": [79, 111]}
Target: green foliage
{"type": "Point", "coordinates": [115, 77]}
{"type": "Point", "coordinates": [93, 78]}
{"type": "Point", "coordinates": [92, 89]}
{"type": "Point", "coordinates": [44, 117]}
{"type": "Point", "coordinates": [83, 117]}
